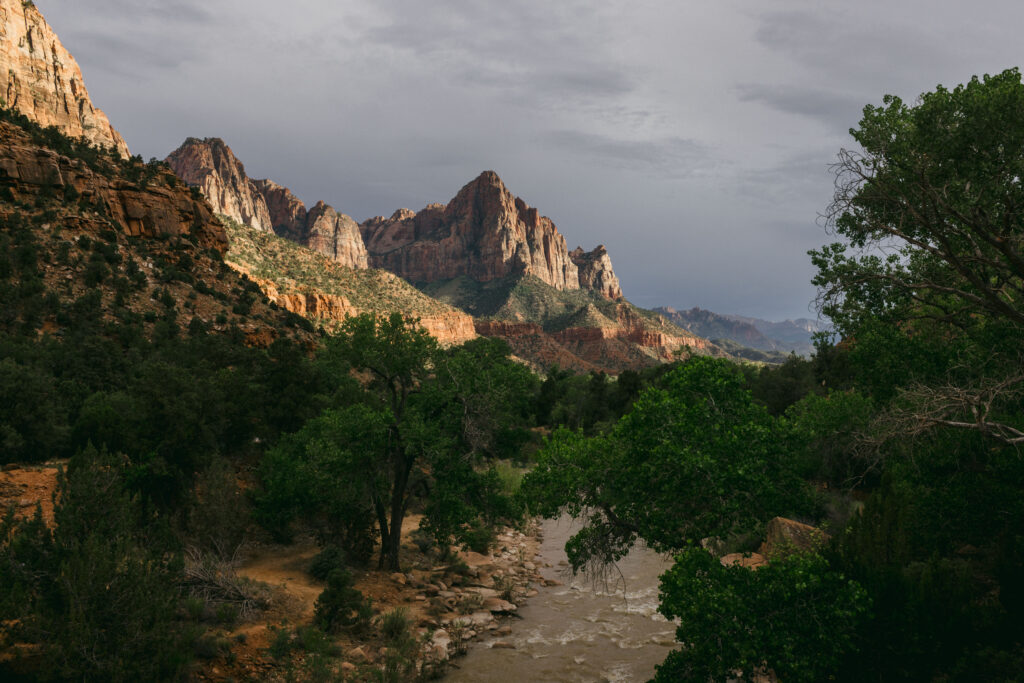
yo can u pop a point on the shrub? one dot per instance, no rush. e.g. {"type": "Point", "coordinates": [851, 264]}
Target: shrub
{"type": "Point", "coordinates": [341, 607]}
{"type": "Point", "coordinates": [479, 538]}
{"type": "Point", "coordinates": [218, 516]}
{"type": "Point", "coordinates": [394, 625]}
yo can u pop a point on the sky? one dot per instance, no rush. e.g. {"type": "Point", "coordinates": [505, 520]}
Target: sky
{"type": "Point", "coordinates": [692, 138]}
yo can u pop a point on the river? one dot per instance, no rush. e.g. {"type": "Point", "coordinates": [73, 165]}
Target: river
{"type": "Point", "coordinates": [579, 631]}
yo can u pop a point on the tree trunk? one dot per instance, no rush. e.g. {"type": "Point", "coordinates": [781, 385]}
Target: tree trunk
{"type": "Point", "coordinates": [390, 546]}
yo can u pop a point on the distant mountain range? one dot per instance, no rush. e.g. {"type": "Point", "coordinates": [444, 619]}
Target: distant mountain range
{"type": "Point", "coordinates": [788, 336]}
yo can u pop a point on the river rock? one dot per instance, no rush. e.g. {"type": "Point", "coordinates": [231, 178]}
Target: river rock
{"type": "Point", "coordinates": [784, 536]}
{"type": "Point", "coordinates": [481, 618]}
{"type": "Point", "coordinates": [749, 561]}
{"type": "Point", "coordinates": [499, 605]}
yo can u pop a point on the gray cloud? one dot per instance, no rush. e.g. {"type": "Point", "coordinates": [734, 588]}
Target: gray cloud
{"type": "Point", "coordinates": [838, 111]}
{"type": "Point", "coordinates": [673, 156]}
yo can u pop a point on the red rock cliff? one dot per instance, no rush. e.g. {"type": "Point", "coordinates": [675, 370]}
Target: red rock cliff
{"type": "Point", "coordinates": [40, 79]}
{"type": "Point", "coordinates": [160, 207]}
{"type": "Point", "coordinates": [211, 166]}
{"type": "Point", "coordinates": [484, 233]}
{"type": "Point", "coordinates": [595, 268]}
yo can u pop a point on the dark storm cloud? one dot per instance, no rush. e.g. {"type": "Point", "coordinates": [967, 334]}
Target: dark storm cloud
{"type": "Point", "coordinates": [806, 177]}
{"type": "Point", "coordinates": [841, 40]}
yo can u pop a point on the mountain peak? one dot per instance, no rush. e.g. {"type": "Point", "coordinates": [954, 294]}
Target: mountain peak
{"type": "Point", "coordinates": [40, 79]}
{"type": "Point", "coordinates": [210, 165]}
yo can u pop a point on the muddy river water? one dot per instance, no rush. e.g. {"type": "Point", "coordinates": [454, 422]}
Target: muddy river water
{"type": "Point", "coordinates": [579, 631]}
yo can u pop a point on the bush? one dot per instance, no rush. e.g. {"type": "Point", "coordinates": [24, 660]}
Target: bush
{"type": "Point", "coordinates": [218, 516]}
{"type": "Point", "coordinates": [341, 607]}
{"type": "Point", "coordinates": [394, 625]}
{"type": "Point", "coordinates": [479, 538]}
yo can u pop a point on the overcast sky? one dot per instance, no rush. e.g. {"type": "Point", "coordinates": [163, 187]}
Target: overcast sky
{"type": "Point", "coordinates": [691, 137]}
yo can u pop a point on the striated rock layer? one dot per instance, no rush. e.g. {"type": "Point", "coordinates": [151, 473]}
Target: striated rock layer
{"type": "Point", "coordinates": [484, 233]}
{"type": "Point", "coordinates": [160, 207]}
{"type": "Point", "coordinates": [40, 79]}
{"type": "Point", "coordinates": [309, 284]}
{"type": "Point", "coordinates": [211, 166]}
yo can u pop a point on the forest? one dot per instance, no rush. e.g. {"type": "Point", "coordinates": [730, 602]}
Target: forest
{"type": "Point", "coordinates": [900, 439]}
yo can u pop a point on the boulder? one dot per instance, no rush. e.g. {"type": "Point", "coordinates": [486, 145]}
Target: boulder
{"type": "Point", "coordinates": [784, 536]}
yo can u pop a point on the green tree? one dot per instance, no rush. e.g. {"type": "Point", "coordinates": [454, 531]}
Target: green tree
{"type": "Point", "coordinates": [695, 457]}
{"type": "Point", "coordinates": [795, 616]}
{"type": "Point", "coordinates": [926, 291]}
{"type": "Point", "coordinates": [423, 428]}
{"type": "Point", "coordinates": [939, 183]}
{"type": "Point", "coordinates": [99, 593]}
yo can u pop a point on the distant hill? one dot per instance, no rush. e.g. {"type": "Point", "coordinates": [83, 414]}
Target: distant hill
{"type": "Point", "coordinates": [579, 329]}
{"type": "Point", "coordinates": [764, 335]}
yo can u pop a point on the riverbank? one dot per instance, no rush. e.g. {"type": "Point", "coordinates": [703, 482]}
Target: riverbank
{"type": "Point", "coordinates": [472, 597]}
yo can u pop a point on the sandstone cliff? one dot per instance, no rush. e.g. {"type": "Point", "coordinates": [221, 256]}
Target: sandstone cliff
{"type": "Point", "coordinates": [484, 233]}
{"type": "Point", "coordinates": [323, 290]}
{"type": "Point", "coordinates": [40, 79]}
{"type": "Point", "coordinates": [595, 269]}
{"type": "Point", "coordinates": [154, 205]}
{"type": "Point", "coordinates": [211, 166]}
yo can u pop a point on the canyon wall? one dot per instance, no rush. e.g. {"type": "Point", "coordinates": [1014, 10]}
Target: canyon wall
{"type": "Point", "coordinates": [40, 79]}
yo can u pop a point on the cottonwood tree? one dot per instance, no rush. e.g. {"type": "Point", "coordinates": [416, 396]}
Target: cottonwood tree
{"type": "Point", "coordinates": [423, 427]}
{"type": "Point", "coordinates": [931, 210]}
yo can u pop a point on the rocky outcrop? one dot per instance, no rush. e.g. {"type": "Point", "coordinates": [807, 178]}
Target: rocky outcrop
{"type": "Point", "coordinates": [484, 233]}
{"type": "Point", "coordinates": [595, 271]}
{"type": "Point", "coordinates": [335, 235]}
{"type": "Point", "coordinates": [159, 207]}
{"type": "Point", "coordinates": [211, 166]}
{"type": "Point", "coordinates": [40, 79]}
{"type": "Point", "coordinates": [449, 328]}
{"type": "Point", "coordinates": [287, 212]}
{"type": "Point", "coordinates": [786, 536]}
{"type": "Point", "coordinates": [305, 302]}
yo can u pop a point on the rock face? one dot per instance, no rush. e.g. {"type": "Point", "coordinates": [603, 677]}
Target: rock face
{"type": "Point", "coordinates": [484, 233]}
{"type": "Point", "coordinates": [786, 536]}
{"type": "Point", "coordinates": [334, 234]}
{"type": "Point", "coordinates": [316, 287]}
{"type": "Point", "coordinates": [211, 166]}
{"type": "Point", "coordinates": [287, 212]}
{"type": "Point", "coordinates": [40, 79]}
{"type": "Point", "coordinates": [595, 269]}
{"type": "Point", "coordinates": [161, 207]}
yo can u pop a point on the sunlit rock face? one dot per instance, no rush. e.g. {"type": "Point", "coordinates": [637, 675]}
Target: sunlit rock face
{"type": "Point", "coordinates": [211, 166]}
{"type": "Point", "coordinates": [40, 79]}
{"type": "Point", "coordinates": [484, 233]}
